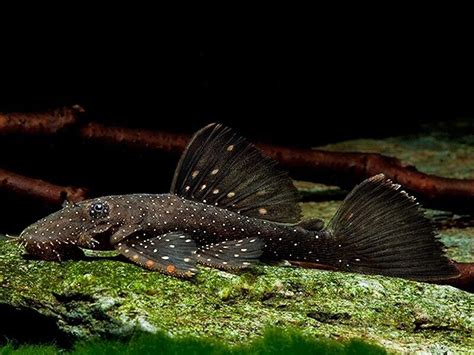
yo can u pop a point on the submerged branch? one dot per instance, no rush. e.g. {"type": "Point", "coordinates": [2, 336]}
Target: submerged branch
{"type": "Point", "coordinates": [39, 189]}
{"type": "Point", "coordinates": [136, 138]}
{"type": "Point", "coordinates": [344, 169]}
{"type": "Point", "coordinates": [465, 281]}
{"type": "Point", "coordinates": [335, 168]}
{"type": "Point", "coordinates": [42, 123]}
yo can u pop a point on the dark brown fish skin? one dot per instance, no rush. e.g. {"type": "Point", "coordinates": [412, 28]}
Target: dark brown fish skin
{"type": "Point", "coordinates": [143, 215]}
{"type": "Point", "coordinates": [133, 219]}
{"type": "Point", "coordinates": [226, 210]}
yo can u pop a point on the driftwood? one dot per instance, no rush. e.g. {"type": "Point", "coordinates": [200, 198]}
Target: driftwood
{"type": "Point", "coordinates": [42, 123]}
{"type": "Point", "coordinates": [465, 281]}
{"type": "Point", "coordinates": [335, 168]}
{"type": "Point", "coordinates": [39, 189]}
{"type": "Point", "coordinates": [135, 138]}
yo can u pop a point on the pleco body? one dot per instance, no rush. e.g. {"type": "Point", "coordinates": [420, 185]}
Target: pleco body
{"type": "Point", "coordinates": [230, 207]}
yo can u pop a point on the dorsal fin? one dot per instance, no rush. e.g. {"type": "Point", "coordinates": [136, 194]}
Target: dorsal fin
{"type": "Point", "coordinates": [221, 168]}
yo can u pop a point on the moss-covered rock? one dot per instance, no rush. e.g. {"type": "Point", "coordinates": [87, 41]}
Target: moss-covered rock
{"type": "Point", "coordinates": [446, 151]}
{"type": "Point", "coordinates": [109, 297]}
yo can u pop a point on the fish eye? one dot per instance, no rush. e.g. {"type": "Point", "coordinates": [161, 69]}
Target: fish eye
{"type": "Point", "coordinates": [98, 210]}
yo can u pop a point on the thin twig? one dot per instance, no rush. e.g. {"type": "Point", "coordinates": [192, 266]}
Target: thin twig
{"type": "Point", "coordinates": [42, 123]}
{"type": "Point", "coordinates": [40, 189]}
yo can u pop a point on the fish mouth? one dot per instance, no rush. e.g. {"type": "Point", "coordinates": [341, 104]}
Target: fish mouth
{"type": "Point", "coordinates": [39, 243]}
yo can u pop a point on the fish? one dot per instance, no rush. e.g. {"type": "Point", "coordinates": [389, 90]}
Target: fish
{"type": "Point", "coordinates": [230, 208]}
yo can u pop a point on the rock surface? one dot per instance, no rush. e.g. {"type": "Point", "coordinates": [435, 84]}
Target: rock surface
{"type": "Point", "coordinates": [104, 297]}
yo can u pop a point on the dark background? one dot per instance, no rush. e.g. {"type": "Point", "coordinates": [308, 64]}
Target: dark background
{"type": "Point", "coordinates": [300, 91]}
{"type": "Point", "coordinates": [303, 88]}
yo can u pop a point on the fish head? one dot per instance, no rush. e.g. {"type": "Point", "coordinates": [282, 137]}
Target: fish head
{"type": "Point", "coordinates": [88, 224]}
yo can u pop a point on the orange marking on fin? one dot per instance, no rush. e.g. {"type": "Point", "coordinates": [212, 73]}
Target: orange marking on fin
{"type": "Point", "coordinates": [150, 263]}
{"type": "Point", "coordinates": [170, 268]}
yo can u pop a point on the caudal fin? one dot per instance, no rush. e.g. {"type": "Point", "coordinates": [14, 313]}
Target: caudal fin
{"type": "Point", "coordinates": [380, 229]}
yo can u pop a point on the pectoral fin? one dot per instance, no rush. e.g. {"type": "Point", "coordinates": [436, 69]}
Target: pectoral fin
{"type": "Point", "coordinates": [171, 253]}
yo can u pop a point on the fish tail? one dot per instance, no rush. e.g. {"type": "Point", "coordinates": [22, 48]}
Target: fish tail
{"type": "Point", "coordinates": [380, 229]}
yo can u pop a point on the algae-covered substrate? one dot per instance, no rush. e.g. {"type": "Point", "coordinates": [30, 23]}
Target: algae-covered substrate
{"type": "Point", "coordinates": [105, 297]}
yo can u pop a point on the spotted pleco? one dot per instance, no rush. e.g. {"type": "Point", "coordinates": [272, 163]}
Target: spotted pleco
{"type": "Point", "coordinates": [230, 207]}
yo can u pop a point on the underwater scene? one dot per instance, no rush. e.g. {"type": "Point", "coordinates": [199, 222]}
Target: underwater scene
{"type": "Point", "coordinates": [225, 214]}
{"type": "Point", "coordinates": [206, 271]}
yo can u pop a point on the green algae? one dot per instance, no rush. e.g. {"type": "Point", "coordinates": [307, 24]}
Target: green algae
{"type": "Point", "coordinates": [29, 350]}
{"type": "Point", "coordinates": [324, 210]}
{"type": "Point", "coordinates": [108, 297]}
{"type": "Point", "coordinates": [273, 341]}
{"type": "Point", "coordinates": [459, 243]}
{"type": "Point", "coordinates": [434, 154]}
